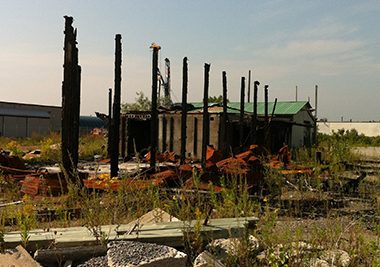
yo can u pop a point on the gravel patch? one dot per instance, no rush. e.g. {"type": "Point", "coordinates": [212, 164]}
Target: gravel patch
{"type": "Point", "coordinates": [95, 262]}
{"type": "Point", "coordinates": [130, 252]}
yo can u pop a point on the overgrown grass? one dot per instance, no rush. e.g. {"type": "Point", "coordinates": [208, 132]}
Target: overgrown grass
{"type": "Point", "coordinates": [282, 237]}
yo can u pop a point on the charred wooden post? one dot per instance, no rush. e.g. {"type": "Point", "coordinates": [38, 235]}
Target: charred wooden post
{"type": "Point", "coordinates": [154, 111]}
{"type": "Point", "coordinates": [70, 101]}
{"type": "Point", "coordinates": [254, 117]}
{"type": "Point", "coordinates": [224, 116]}
{"type": "Point", "coordinates": [241, 118]}
{"type": "Point", "coordinates": [184, 109]}
{"type": "Point", "coordinates": [266, 102]}
{"type": "Point", "coordinates": [116, 109]}
{"type": "Point", "coordinates": [109, 140]}
{"type": "Point", "coordinates": [167, 83]}
{"type": "Point", "coordinates": [249, 87]}
{"type": "Point", "coordinates": [206, 123]}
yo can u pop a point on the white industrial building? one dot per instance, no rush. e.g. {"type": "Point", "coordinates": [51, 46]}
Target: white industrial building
{"type": "Point", "coordinates": [367, 128]}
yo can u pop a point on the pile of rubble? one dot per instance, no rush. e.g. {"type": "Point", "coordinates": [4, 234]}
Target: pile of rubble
{"type": "Point", "coordinates": [248, 166]}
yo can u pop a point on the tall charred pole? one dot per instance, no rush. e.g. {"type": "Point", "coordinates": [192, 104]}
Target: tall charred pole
{"type": "Point", "coordinates": [206, 122]}
{"type": "Point", "coordinates": [167, 83]}
{"type": "Point", "coordinates": [241, 118]}
{"type": "Point", "coordinates": [266, 102]}
{"type": "Point", "coordinates": [224, 115]}
{"type": "Point", "coordinates": [154, 111]}
{"type": "Point", "coordinates": [254, 117]}
{"type": "Point", "coordinates": [109, 140]}
{"type": "Point", "coordinates": [70, 101]}
{"type": "Point", "coordinates": [249, 87]}
{"type": "Point", "coordinates": [116, 109]}
{"type": "Point", "coordinates": [184, 109]}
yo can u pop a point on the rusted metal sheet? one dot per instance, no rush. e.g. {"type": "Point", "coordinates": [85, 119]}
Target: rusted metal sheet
{"type": "Point", "coordinates": [46, 184]}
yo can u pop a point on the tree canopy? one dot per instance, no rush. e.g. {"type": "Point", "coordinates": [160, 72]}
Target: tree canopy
{"type": "Point", "coordinates": [143, 103]}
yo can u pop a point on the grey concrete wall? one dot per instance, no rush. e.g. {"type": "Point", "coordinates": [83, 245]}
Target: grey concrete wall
{"type": "Point", "coordinates": [367, 152]}
{"type": "Point", "coordinates": [190, 126]}
{"type": "Point", "coordinates": [299, 133]}
{"type": "Point", "coordinates": [366, 128]}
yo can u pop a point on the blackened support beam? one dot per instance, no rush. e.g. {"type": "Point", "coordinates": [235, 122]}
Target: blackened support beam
{"type": "Point", "coordinates": [116, 109]}
{"type": "Point", "coordinates": [254, 117]}
{"type": "Point", "coordinates": [266, 102]}
{"type": "Point", "coordinates": [70, 101]}
{"type": "Point", "coordinates": [184, 109]}
{"type": "Point", "coordinates": [154, 111]}
{"type": "Point", "coordinates": [167, 83]}
{"type": "Point", "coordinates": [224, 116]}
{"type": "Point", "coordinates": [249, 87]}
{"type": "Point", "coordinates": [109, 140]}
{"type": "Point", "coordinates": [206, 122]}
{"type": "Point", "coordinates": [241, 118]}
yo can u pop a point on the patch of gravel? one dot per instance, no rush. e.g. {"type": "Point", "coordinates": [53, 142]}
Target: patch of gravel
{"type": "Point", "coordinates": [123, 253]}
{"type": "Point", "coordinates": [95, 262]}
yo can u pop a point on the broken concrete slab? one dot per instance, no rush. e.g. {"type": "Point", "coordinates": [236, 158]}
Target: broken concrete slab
{"type": "Point", "coordinates": [156, 215]}
{"type": "Point", "coordinates": [18, 257]}
{"type": "Point", "coordinates": [206, 259]}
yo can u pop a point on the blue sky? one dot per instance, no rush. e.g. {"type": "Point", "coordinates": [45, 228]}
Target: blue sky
{"type": "Point", "coordinates": [335, 44]}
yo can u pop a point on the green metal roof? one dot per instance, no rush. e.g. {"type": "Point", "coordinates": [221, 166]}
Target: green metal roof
{"type": "Point", "coordinates": [282, 107]}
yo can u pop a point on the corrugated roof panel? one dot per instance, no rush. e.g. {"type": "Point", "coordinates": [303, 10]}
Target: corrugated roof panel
{"type": "Point", "coordinates": [14, 112]}
{"type": "Point", "coordinates": [282, 108]}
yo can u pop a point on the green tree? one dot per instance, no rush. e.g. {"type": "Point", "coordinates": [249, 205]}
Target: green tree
{"type": "Point", "coordinates": [216, 99]}
{"type": "Point", "coordinates": [142, 103]}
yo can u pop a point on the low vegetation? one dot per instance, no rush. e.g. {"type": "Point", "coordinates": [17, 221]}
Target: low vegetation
{"type": "Point", "coordinates": [287, 238]}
